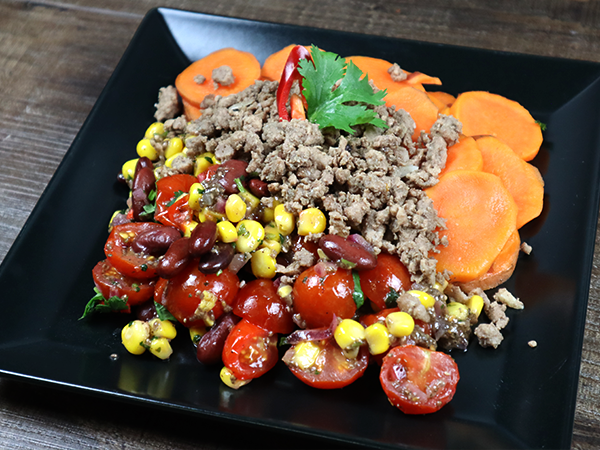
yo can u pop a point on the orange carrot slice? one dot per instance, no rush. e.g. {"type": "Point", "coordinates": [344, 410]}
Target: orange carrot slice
{"type": "Point", "coordinates": [442, 99]}
{"type": "Point", "coordinates": [522, 180]}
{"type": "Point", "coordinates": [245, 68]}
{"type": "Point", "coordinates": [464, 155]}
{"type": "Point", "coordinates": [480, 216]}
{"type": "Point", "coordinates": [482, 113]}
{"type": "Point", "coordinates": [415, 102]}
{"type": "Point", "coordinates": [273, 66]}
{"type": "Point", "coordinates": [192, 112]}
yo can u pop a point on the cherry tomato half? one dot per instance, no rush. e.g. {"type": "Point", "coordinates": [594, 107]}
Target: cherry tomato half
{"type": "Point", "coordinates": [417, 380]}
{"type": "Point", "coordinates": [167, 187]}
{"type": "Point", "coordinates": [185, 292]}
{"type": "Point", "coordinates": [259, 303]}
{"type": "Point", "coordinates": [119, 253]}
{"type": "Point", "coordinates": [250, 351]}
{"type": "Point", "coordinates": [317, 298]}
{"type": "Point", "coordinates": [178, 215]}
{"type": "Point", "coordinates": [390, 275]}
{"type": "Point", "coordinates": [111, 283]}
{"type": "Point", "coordinates": [331, 369]}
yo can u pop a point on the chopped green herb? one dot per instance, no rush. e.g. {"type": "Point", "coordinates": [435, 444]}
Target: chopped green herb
{"type": "Point", "coordinates": [176, 196]}
{"type": "Point", "coordinates": [345, 264]}
{"type": "Point", "coordinates": [238, 183]}
{"type": "Point", "coordinates": [152, 195]}
{"type": "Point", "coordinates": [143, 344]}
{"type": "Point", "coordinates": [391, 297]}
{"type": "Point", "coordinates": [103, 305]}
{"type": "Point", "coordinates": [150, 208]}
{"type": "Point", "coordinates": [282, 341]}
{"type": "Point", "coordinates": [243, 231]}
{"type": "Point", "coordinates": [136, 287]}
{"type": "Point", "coordinates": [163, 313]}
{"type": "Point", "coordinates": [144, 267]}
{"type": "Point", "coordinates": [542, 125]}
{"type": "Point", "coordinates": [209, 159]}
{"type": "Point", "coordinates": [219, 272]}
{"type": "Point", "coordinates": [357, 295]}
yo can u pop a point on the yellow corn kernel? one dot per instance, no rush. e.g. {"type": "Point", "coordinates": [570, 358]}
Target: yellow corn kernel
{"type": "Point", "coordinates": [188, 227]}
{"type": "Point", "coordinates": [263, 263]}
{"type": "Point", "coordinates": [441, 286]}
{"type": "Point", "coordinates": [311, 220]}
{"type": "Point", "coordinates": [169, 161]}
{"type": "Point", "coordinates": [196, 191]}
{"type": "Point", "coordinates": [135, 335]}
{"type": "Point", "coordinates": [271, 232]}
{"type": "Point", "coordinates": [174, 147]}
{"type": "Point", "coordinates": [457, 310]}
{"type": "Point", "coordinates": [251, 200]}
{"type": "Point", "coordinates": [235, 208]}
{"type": "Point", "coordinates": [155, 128]}
{"type": "Point", "coordinates": [162, 328]}
{"type": "Point", "coordinates": [400, 324]}
{"type": "Point", "coordinates": [145, 148]}
{"type": "Point", "coordinates": [161, 348]}
{"type": "Point", "coordinates": [306, 354]}
{"type": "Point", "coordinates": [250, 235]}
{"type": "Point", "coordinates": [426, 299]}
{"type": "Point", "coordinates": [203, 162]}
{"type": "Point", "coordinates": [475, 305]}
{"type": "Point", "coordinates": [128, 169]}
{"type": "Point", "coordinates": [284, 290]}
{"type": "Point", "coordinates": [349, 334]}
{"type": "Point", "coordinates": [378, 338]}
{"type": "Point", "coordinates": [196, 333]}
{"type": "Point", "coordinates": [284, 220]}
{"type": "Point", "coordinates": [230, 379]}
{"type": "Point", "coordinates": [226, 231]}
{"type": "Point", "coordinates": [268, 215]}
{"type": "Point", "coordinates": [274, 246]}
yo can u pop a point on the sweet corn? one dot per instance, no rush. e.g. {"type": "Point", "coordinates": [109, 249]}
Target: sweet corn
{"type": "Point", "coordinates": [230, 379]}
{"type": "Point", "coordinates": [400, 324]}
{"type": "Point", "coordinates": [196, 191]}
{"type": "Point", "coordinates": [272, 232]}
{"type": "Point", "coordinates": [268, 215]}
{"type": "Point", "coordinates": [226, 231]}
{"type": "Point", "coordinates": [306, 354]}
{"type": "Point", "coordinates": [378, 338]}
{"type": "Point", "coordinates": [188, 227]}
{"type": "Point", "coordinates": [161, 348]}
{"type": "Point", "coordinates": [196, 334]}
{"type": "Point", "coordinates": [263, 263]}
{"type": "Point", "coordinates": [426, 299]}
{"type": "Point", "coordinates": [128, 169]}
{"type": "Point", "coordinates": [457, 310]}
{"type": "Point", "coordinates": [349, 334]}
{"type": "Point", "coordinates": [311, 220]}
{"type": "Point", "coordinates": [284, 220]}
{"type": "Point", "coordinates": [252, 201]}
{"type": "Point", "coordinates": [155, 128]}
{"type": "Point", "coordinates": [274, 246]}
{"type": "Point", "coordinates": [284, 290]}
{"type": "Point", "coordinates": [162, 328]}
{"type": "Point", "coordinates": [235, 208]}
{"type": "Point", "coordinates": [135, 335]}
{"type": "Point", "coordinates": [441, 286]}
{"type": "Point", "coordinates": [475, 305]}
{"type": "Point", "coordinates": [174, 146]}
{"type": "Point", "coordinates": [144, 148]}
{"type": "Point", "coordinates": [169, 161]}
{"type": "Point", "coordinates": [203, 162]}
{"type": "Point", "coordinates": [250, 235]}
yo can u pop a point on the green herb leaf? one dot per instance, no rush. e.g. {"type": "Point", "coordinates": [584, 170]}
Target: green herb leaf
{"type": "Point", "coordinates": [176, 196]}
{"type": "Point", "coordinates": [103, 305]}
{"type": "Point", "coordinates": [238, 183]}
{"type": "Point", "coordinates": [282, 341]}
{"type": "Point", "coordinates": [150, 208]}
{"type": "Point", "coordinates": [152, 195]}
{"type": "Point", "coordinates": [391, 297]}
{"type": "Point", "coordinates": [345, 264]}
{"type": "Point", "coordinates": [163, 313]}
{"type": "Point", "coordinates": [329, 107]}
{"type": "Point", "coordinates": [542, 125]}
{"type": "Point", "coordinates": [357, 295]}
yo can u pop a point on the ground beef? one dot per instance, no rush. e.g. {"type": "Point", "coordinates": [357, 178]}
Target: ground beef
{"type": "Point", "coordinates": [168, 105]}
{"type": "Point", "coordinates": [223, 75]}
{"type": "Point", "coordinates": [488, 335]}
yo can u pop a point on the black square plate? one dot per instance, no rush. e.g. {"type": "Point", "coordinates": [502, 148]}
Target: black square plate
{"type": "Point", "coordinates": [513, 397]}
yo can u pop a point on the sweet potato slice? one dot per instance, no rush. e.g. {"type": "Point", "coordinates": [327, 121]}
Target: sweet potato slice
{"type": "Point", "coordinates": [480, 216]}
{"type": "Point", "coordinates": [464, 155]}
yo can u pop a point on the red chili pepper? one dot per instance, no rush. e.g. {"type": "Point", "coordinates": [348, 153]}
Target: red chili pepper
{"type": "Point", "coordinates": [289, 75]}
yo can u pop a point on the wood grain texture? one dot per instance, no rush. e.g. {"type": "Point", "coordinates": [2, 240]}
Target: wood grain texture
{"type": "Point", "coordinates": [55, 58]}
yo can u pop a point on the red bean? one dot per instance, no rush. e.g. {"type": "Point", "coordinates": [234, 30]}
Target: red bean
{"type": "Point", "coordinates": [155, 241]}
{"type": "Point", "coordinates": [258, 187]}
{"type": "Point", "coordinates": [144, 163]}
{"type": "Point", "coordinates": [146, 311]}
{"type": "Point", "coordinates": [337, 249]}
{"type": "Point", "coordinates": [211, 344]}
{"type": "Point", "coordinates": [229, 171]}
{"type": "Point", "coordinates": [143, 183]}
{"type": "Point", "coordinates": [203, 238]}
{"type": "Point", "coordinates": [217, 259]}
{"type": "Point", "coordinates": [175, 259]}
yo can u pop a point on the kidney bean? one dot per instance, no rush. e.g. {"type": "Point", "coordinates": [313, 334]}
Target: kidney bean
{"type": "Point", "coordinates": [175, 259]}
{"type": "Point", "coordinates": [146, 311]}
{"type": "Point", "coordinates": [144, 163]}
{"type": "Point", "coordinates": [217, 259]}
{"type": "Point", "coordinates": [155, 241]}
{"type": "Point", "coordinates": [203, 238]}
{"type": "Point", "coordinates": [258, 187]}
{"type": "Point", "coordinates": [143, 182]}
{"type": "Point", "coordinates": [229, 171]}
{"type": "Point", "coordinates": [338, 248]}
{"type": "Point", "coordinates": [211, 345]}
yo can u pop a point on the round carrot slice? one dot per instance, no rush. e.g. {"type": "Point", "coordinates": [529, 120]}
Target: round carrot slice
{"type": "Point", "coordinates": [464, 155]}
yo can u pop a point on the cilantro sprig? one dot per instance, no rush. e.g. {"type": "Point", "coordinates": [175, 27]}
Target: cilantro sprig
{"type": "Point", "coordinates": [103, 305]}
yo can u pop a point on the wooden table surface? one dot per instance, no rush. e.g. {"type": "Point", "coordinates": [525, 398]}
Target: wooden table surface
{"type": "Point", "coordinates": [56, 56]}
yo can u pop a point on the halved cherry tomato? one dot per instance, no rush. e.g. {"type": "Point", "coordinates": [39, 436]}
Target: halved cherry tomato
{"type": "Point", "coordinates": [331, 368]}
{"type": "Point", "coordinates": [208, 173]}
{"type": "Point", "coordinates": [390, 275]}
{"type": "Point", "coordinates": [417, 380]}
{"type": "Point", "coordinates": [167, 187]}
{"type": "Point", "coordinates": [119, 253]}
{"type": "Point", "coordinates": [378, 317]}
{"type": "Point", "coordinates": [159, 290]}
{"type": "Point", "coordinates": [111, 283]}
{"type": "Point", "coordinates": [185, 292]}
{"type": "Point", "coordinates": [317, 298]}
{"type": "Point", "coordinates": [178, 215]}
{"type": "Point", "coordinates": [259, 303]}
{"type": "Point", "coordinates": [250, 351]}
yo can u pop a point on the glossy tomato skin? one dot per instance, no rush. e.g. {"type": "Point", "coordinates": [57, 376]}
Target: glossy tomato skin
{"type": "Point", "coordinates": [332, 369]}
{"type": "Point", "coordinates": [119, 253]}
{"type": "Point", "coordinates": [259, 303]}
{"type": "Point", "coordinates": [167, 187]}
{"type": "Point", "coordinates": [178, 215]}
{"type": "Point", "coordinates": [417, 380]}
{"type": "Point", "coordinates": [318, 298]}
{"type": "Point", "coordinates": [111, 283]}
{"type": "Point", "coordinates": [184, 293]}
{"type": "Point", "coordinates": [389, 273]}
{"type": "Point", "coordinates": [250, 351]}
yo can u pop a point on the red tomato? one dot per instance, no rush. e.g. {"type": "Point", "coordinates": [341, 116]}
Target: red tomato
{"type": "Point", "coordinates": [119, 253]}
{"type": "Point", "coordinates": [167, 187]}
{"type": "Point", "coordinates": [389, 274]}
{"type": "Point", "coordinates": [177, 215]}
{"type": "Point", "coordinates": [331, 369]}
{"type": "Point", "coordinates": [250, 351]}
{"type": "Point", "coordinates": [185, 292]}
{"type": "Point", "coordinates": [208, 173]}
{"type": "Point", "coordinates": [378, 317]}
{"type": "Point", "coordinates": [159, 290]}
{"type": "Point", "coordinates": [318, 298]}
{"type": "Point", "coordinates": [417, 380]}
{"type": "Point", "coordinates": [259, 303]}
{"type": "Point", "coordinates": [111, 283]}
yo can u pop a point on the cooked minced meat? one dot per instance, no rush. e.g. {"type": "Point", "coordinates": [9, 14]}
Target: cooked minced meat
{"type": "Point", "coordinates": [488, 335]}
{"type": "Point", "coordinates": [168, 104]}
